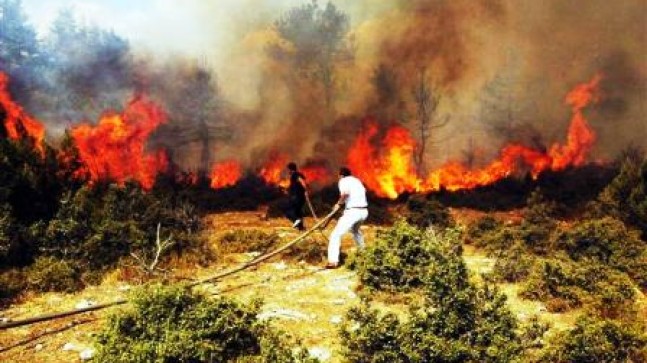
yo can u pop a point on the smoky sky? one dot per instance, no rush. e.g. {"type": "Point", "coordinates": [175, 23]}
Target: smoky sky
{"type": "Point", "coordinates": [501, 67]}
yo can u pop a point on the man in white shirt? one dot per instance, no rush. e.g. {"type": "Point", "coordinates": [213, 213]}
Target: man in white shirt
{"type": "Point", "coordinates": [353, 197]}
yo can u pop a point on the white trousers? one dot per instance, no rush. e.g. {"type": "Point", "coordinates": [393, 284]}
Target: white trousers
{"type": "Point", "coordinates": [351, 220]}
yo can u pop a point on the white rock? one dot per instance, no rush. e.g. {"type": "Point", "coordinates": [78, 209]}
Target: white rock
{"type": "Point", "coordinates": [283, 314]}
{"type": "Point", "coordinates": [84, 304]}
{"type": "Point", "coordinates": [339, 302]}
{"type": "Point", "coordinates": [124, 288]}
{"type": "Point", "coordinates": [4, 320]}
{"type": "Point", "coordinates": [320, 353]}
{"type": "Point", "coordinates": [86, 354]}
{"type": "Point", "coordinates": [38, 347]}
{"type": "Point", "coordinates": [335, 319]}
{"type": "Point", "coordinates": [280, 266]}
{"type": "Point", "coordinates": [69, 346]}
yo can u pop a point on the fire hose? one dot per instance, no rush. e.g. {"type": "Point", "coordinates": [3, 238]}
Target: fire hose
{"type": "Point", "coordinates": [244, 266]}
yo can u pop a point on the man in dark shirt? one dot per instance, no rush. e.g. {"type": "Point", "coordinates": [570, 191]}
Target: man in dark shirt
{"type": "Point", "coordinates": [296, 197]}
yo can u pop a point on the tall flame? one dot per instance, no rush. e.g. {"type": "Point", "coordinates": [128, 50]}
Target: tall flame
{"type": "Point", "coordinates": [225, 174]}
{"type": "Point", "coordinates": [389, 169]}
{"type": "Point", "coordinates": [17, 122]}
{"type": "Point", "coordinates": [115, 148]}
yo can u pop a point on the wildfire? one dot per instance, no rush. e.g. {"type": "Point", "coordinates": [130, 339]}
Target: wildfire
{"type": "Point", "coordinates": [390, 172]}
{"type": "Point", "coordinates": [17, 122]}
{"type": "Point", "coordinates": [115, 148]}
{"type": "Point", "coordinates": [389, 169]}
{"type": "Point", "coordinates": [225, 174]}
{"type": "Point", "coordinates": [274, 172]}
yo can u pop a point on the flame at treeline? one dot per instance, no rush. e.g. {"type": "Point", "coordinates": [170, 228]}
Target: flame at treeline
{"type": "Point", "coordinates": [115, 148]}
{"type": "Point", "coordinates": [387, 166]}
{"type": "Point", "coordinates": [17, 122]}
{"type": "Point", "coordinates": [225, 174]}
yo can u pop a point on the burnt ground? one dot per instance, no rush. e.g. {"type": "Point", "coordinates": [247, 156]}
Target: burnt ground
{"type": "Point", "coordinates": [301, 298]}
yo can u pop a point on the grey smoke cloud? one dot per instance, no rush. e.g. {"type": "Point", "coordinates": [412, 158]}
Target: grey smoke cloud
{"type": "Point", "coordinates": [489, 58]}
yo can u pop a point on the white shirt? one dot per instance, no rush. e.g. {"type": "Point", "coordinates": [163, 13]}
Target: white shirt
{"type": "Point", "coordinates": [355, 190]}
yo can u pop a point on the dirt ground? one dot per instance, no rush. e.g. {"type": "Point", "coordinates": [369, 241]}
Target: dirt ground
{"type": "Point", "coordinates": [302, 299]}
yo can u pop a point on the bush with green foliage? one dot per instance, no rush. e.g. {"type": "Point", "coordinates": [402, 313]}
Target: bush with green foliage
{"type": "Point", "coordinates": [598, 340]}
{"type": "Point", "coordinates": [513, 264]}
{"type": "Point", "coordinates": [564, 284]}
{"type": "Point", "coordinates": [399, 258]}
{"type": "Point", "coordinates": [173, 324]}
{"type": "Point", "coordinates": [607, 241]}
{"type": "Point", "coordinates": [626, 196]}
{"type": "Point", "coordinates": [423, 213]}
{"type": "Point", "coordinates": [482, 226]}
{"type": "Point", "coordinates": [96, 226]}
{"type": "Point", "coordinates": [459, 321]}
{"type": "Point", "coordinates": [12, 282]}
{"type": "Point", "coordinates": [51, 274]}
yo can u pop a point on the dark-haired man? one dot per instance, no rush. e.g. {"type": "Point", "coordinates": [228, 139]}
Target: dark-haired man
{"type": "Point", "coordinates": [352, 195]}
{"type": "Point", "coordinates": [296, 197]}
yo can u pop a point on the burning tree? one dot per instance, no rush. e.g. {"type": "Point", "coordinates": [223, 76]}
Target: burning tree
{"type": "Point", "coordinates": [427, 99]}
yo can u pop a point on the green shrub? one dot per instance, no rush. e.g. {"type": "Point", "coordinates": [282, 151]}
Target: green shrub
{"type": "Point", "coordinates": [498, 240]}
{"type": "Point", "coordinates": [563, 284]}
{"type": "Point", "coordinates": [608, 241]}
{"type": "Point", "coordinates": [458, 322]}
{"type": "Point", "coordinates": [368, 336]}
{"type": "Point", "coordinates": [12, 282]}
{"type": "Point", "coordinates": [513, 264]}
{"type": "Point", "coordinates": [481, 227]}
{"type": "Point", "coordinates": [97, 226]}
{"type": "Point", "coordinates": [399, 258]}
{"type": "Point", "coordinates": [626, 195]}
{"type": "Point", "coordinates": [424, 213]}
{"type": "Point", "coordinates": [436, 333]}
{"type": "Point", "coordinates": [538, 224]}
{"type": "Point", "coordinates": [596, 340]}
{"type": "Point", "coordinates": [6, 231]}
{"type": "Point", "coordinates": [50, 274]}
{"type": "Point", "coordinates": [172, 324]}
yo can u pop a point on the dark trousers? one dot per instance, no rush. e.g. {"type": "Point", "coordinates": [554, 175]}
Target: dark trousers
{"type": "Point", "coordinates": [294, 209]}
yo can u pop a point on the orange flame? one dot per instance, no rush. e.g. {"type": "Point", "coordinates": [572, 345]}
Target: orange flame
{"type": "Point", "coordinates": [274, 171]}
{"type": "Point", "coordinates": [115, 148]}
{"type": "Point", "coordinates": [225, 174]}
{"type": "Point", "coordinates": [17, 122]}
{"type": "Point", "coordinates": [389, 170]}
{"type": "Point", "coordinates": [316, 174]}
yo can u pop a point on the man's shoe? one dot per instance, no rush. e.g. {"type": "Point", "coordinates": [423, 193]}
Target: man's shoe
{"type": "Point", "coordinates": [331, 266]}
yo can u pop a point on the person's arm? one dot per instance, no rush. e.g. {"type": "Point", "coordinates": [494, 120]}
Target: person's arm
{"type": "Point", "coordinates": [302, 180]}
{"type": "Point", "coordinates": [342, 199]}
{"type": "Point", "coordinates": [343, 193]}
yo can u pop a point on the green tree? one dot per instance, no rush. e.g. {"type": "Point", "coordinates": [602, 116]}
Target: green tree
{"type": "Point", "coordinates": [20, 53]}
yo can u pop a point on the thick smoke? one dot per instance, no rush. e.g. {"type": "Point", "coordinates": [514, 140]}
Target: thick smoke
{"type": "Point", "coordinates": [499, 70]}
